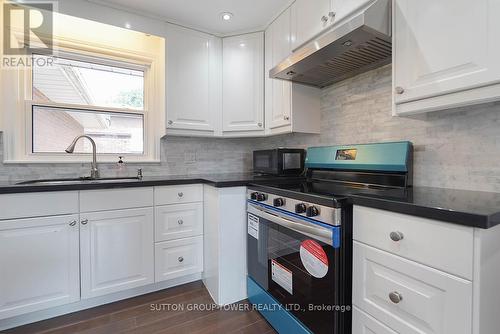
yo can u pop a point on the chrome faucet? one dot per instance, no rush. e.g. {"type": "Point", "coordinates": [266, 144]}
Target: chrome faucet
{"type": "Point", "coordinates": [94, 171]}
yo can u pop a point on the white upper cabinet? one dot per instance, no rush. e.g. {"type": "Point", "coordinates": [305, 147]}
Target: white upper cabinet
{"type": "Point", "coordinates": [39, 264]}
{"type": "Point", "coordinates": [445, 54]}
{"type": "Point", "coordinates": [309, 18]}
{"type": "Point", "coordinates": [278, 92]}
{"type": "Point", "coordinates": [193, 80]}
{"type": "Point", "coordinates": [288, 107]}
{"type": "Point", "coordinates": [343, 9]}
{"type": "Point", "coordinates": [243, 83]}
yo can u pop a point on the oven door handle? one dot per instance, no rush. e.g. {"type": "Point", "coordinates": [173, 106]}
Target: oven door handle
{"type": "Point", "coordinates": [324, 234]}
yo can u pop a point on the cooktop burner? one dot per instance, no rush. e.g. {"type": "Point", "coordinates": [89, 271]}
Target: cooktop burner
{"type": "Point", "coordinates": [331, 193]}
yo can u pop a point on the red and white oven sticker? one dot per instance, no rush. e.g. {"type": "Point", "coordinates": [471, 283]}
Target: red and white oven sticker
{"type": "Point", "coordinates": [314, 258]}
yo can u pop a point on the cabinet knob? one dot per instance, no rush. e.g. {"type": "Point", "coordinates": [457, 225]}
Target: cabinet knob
{"type": "Point", "coordinates": [170, 122]}
{"type": "Point", "coordinates": [324, 19]}
{"type": "Point", "coordinates": [260, 125]}
{"type": "Point", "coordinates": [395, 297]}
{"type": "Point", "coordinates": [399, 90]}
{"type": "Point", "coordinates": [180, 194]}
{"type": "Point", "coordinates": [180, 259]}
{"type": "Point", "coordinates": [180, 222]}
{"type": "Point", "coordinates": [73, 223]}
{"type": "Point", "coordinates": [286, 118]}
{"type": "Point", "coordinates": [84, 222]}
{"type": "Point", "coordinates": [396, 236]}
{"type": "Point", "coordinates": [332, 16]}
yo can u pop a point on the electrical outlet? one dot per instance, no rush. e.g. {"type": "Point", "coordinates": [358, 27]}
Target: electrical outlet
{"type": "Point", "coordinates": [190, 157]}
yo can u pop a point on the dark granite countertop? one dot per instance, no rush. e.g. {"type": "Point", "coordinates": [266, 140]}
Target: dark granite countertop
{"type": "Point", "coordinates": [464, 207]}
{"type": "Point", "coordinates": [216, 180]}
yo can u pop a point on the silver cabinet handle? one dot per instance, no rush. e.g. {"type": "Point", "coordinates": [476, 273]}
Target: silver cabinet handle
{"type": "Point", "coordinates": [84, 222]}
{"type": "Point", "coordinates": [180, 222]}
{"type": "Point", "coordinates": [170, 122]}
{"type": "Point", "coordinates": [73, 223]}
{"type": "Point", "coordinates": [332, 15]}
{"type": "Point", "coordinates": [324, 19]}
{"type": "Point", "coordinates": [396, 236]}
{"type": "Point", "coordinates": [399, 90]}
{"type": "Point", "coordinates": [260, 125]}
{"type": "Point", "coordinates": [180, 259]}
{"type": "Point", "coordinates": [180, 194]}
{"type": "Point", "coordinates": [395, 297]}
{"type": "Point", "coordinates": [286, 118]}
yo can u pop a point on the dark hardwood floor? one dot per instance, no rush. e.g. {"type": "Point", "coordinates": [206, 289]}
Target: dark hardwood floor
{"type": "Point", "coordinates": [149, 314]}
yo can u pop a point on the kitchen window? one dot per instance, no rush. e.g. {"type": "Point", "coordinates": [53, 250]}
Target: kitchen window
{"type": "Point", "coordinates": [102, 81]}
{"type": "Point", "coordinates": [73, 97]}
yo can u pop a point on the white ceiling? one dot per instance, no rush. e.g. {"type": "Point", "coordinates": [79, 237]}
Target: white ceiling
{"type": "Point", "coordinates": [249, 15]}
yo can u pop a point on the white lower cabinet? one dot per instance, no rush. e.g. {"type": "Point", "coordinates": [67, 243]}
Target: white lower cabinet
{"type": "Point", "coordinates": [60, 263]}
{"type": "Point", "coordinates": [410, 297]}
{"type": "Point", "coordinates": [363, 323]}
{"type": "Point", "coordinates": [177, 258]}
{"type": "Point", "coordinates": [225, 247]}
{"type": "Point", "coordinates": [39, 264]}
{"type": "Point", "coordinates": [116, 251]}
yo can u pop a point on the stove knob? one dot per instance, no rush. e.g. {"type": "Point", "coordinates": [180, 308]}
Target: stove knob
{"type": "Point", "coordinates": [278, 202]}
{"type": "Point", "coordinates": [253, 196]}
{"type": "Point", "coordinates": [312, 211]}
{"type": "Point", "coordinates": [261, 197]}
{"type": "Point", "coordinates": [300, 208]}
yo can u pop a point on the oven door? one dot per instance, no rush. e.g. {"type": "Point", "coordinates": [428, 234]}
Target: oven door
{"type": "Point", "coordinates": [298, 262]}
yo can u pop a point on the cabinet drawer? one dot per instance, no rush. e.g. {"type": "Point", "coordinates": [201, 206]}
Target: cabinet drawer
{"type": "Point", "coordinates": [440, 245]}
{"type": "Point", "coordinates": [430, 302]}
{"type": "Point", "coordinates": [178, 221]}
{"type": "Point", "coordinates": [362, 323]}
{"type": "Point", "coordinates": [115, 199]}
{"type": "Point", "coordinates": [178, 258]}
{"type": "Point", "coordinates": [27, 205]}
{"type": "Point", "coordinates": [178, 194]}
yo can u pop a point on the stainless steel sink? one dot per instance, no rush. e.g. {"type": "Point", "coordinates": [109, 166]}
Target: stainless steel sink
{"type": "Point", "coordinates": [78, 180]}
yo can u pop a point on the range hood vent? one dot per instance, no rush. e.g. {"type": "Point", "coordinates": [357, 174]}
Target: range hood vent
{"type": "Point", "coordinates": [360, 44]}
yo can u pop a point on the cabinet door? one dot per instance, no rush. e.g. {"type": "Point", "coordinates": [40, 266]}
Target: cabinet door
{"type": "Point", "coordinates": [243, 84]}
{"type": "Point", "coordinates": [278, 92]}
{"type": "Point", "coordinates": [444, 47]}
{"type": "Point", "coordinates": [191, 78]}
{"type": "Point", "coordinates": [39, 264]}
{"type": "Point", "coordinates": [116, 251]}
{"type": "Point", "coordinates": [309, 18]}
{"type": "Point", "coordinates": [344, 9]}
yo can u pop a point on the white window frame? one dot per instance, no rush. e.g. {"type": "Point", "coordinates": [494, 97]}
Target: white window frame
{"type": "Point", "coordinates": [18, 120]}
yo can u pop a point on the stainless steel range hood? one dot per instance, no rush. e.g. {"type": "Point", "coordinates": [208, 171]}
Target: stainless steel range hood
{"type": "Point", "coordinates": [361, 43]}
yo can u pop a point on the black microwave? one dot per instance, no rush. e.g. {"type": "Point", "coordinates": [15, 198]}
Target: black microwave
{"type": "Point", "coordinates": [279, 161]}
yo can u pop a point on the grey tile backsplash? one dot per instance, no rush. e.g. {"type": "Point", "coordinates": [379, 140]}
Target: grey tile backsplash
{"type": "Point", "coordinates": [457, 148]}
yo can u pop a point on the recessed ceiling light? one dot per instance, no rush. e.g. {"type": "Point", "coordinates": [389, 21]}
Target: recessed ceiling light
{"type": "Point", "coordinates": [226, 16]}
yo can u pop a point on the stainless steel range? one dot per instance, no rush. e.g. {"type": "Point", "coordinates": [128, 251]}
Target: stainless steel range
{"type": "Point", "coordinates": [300, 234]}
